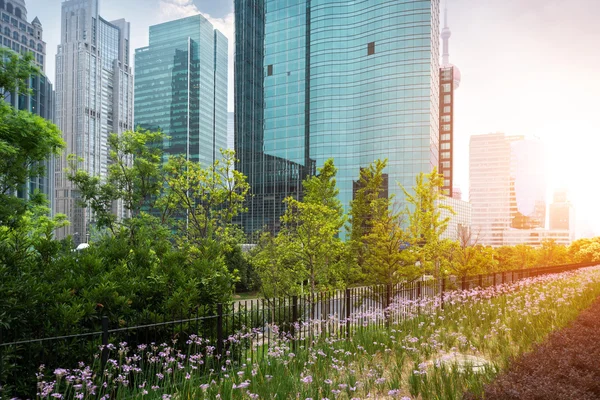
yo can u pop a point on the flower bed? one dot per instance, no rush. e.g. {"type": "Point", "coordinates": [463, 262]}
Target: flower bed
{"type": "Point", "coordinates": [565, 366]}
{"type": "Point", "coordinates": [431, 352]}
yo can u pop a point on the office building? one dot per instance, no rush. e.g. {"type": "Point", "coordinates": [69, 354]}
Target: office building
{"type": "Point", "coordinates": [94, 98]}
{"type": "Point", "coordinates": [562, 213]}
{"type": "Point", "coordinates": [449, 81]}
{"type": "Point", "coordinates": [507, 187]}
{"type": "Point", "coordinates": [230, 131]}
{"type": "Point", "coordinates": [460, 221]}
{"type": "Point", "coordinates": [21, 36]}
{"type": "Point", "coordinates": [18, 34]}
{"type": "Point", "coordinates": [181, 88]}
{"type": "Point", "coordinates": [352, 81]}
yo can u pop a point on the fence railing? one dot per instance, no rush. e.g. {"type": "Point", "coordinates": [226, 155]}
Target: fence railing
{"type": "Point", "coordinates": [245, 329]}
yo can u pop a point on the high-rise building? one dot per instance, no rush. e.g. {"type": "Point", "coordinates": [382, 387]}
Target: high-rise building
{"type": "Point", "coordinates": [181, 87]}
{"type": "Point", "coordinates": [21, 36]}
{"type": "Point", "coordinates": [230, 130]}
{"type": "Point", "coordinates": [352, 81]}
{"type": "Point", "coordinates": [562, 213]}
{"type": "Point", "coordinates": [507, 187]}
{"type": "Point", "coordinates": [449, 81]}
{"type": "Point", "coordinates": [94, 98]}
{"type": "Point", "coordinates": [18, 34]}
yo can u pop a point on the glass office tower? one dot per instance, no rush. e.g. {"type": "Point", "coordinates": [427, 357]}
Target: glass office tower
{"type": "Point", "coordinates": [353, 81]}
{"type": "Point", "coordinates": [181, 87]}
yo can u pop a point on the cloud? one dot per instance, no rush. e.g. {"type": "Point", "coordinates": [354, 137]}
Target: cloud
{"type": "Point", "coordinates": [174, 9]}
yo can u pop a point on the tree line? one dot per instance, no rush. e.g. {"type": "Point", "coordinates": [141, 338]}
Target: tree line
{"type": "Point", "coordinates": [179, 247]}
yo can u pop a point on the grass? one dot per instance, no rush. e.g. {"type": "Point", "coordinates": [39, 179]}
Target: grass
{"type": "Point", "coordinates": [433, 353]}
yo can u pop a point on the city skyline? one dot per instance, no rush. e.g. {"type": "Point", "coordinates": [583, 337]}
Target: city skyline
{"type": "Point", "coordinates": [527, 69]}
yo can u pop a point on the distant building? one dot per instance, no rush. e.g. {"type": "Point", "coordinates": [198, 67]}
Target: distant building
{"type": "Point", "coordinates": [23, 37]}
{"type": "Point", "coordinates": [460, 224]}
{"type": "Point", "coordinates": [18, 34]}
{"type": "Point", "coordinates": [94, 98]}
{"type": "Point", "coordinates": [507, 187]}
{"type": "Point", "coordinates": [450, 78]}
{"type": "Point", "coordinates": [230, 131]}
{"type": "Point", "coordinates": [456, 193]}
{"type": "Point", "coordinates": [562, 213]}
{"type": "Point", "coordinates": [535, 237]}
{"type": "Point", "coordinates": [181, 88]}
{"type": "Point", "coordinates": [352, 81]}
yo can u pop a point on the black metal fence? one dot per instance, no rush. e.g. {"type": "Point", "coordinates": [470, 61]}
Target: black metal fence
{"type": "Point", "coordinates": [244, 329]}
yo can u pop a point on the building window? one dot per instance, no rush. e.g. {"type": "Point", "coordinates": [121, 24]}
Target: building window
{"type": "Point", "coordinates": [9, 8]}
{"type": "Point", "coordinates": [445, 136]}
{"type": "Point", "coordinates": [445, 146]}
{"type": "Point", "coordinates": [5, 18]}
{"type": "Point", "coordinates": [2, 4]}
{"type": "Point", "coordinates": [18, 12]}
{"type": "Point", "coordinates": [447, 109]}
{"type": "Point", "coordinates": [371, 48]}
{"type": "Point", "coordinates": [445, 154]}
{"type": "Point", "coordinates": [269, 69]}
{"type": "Point", "coordinates": [447, 99]}
{"type": "Point", "coordinates": [39, 47]}
{"type": "Point", "coordinates": [445, 118]}
{"type": "Point", "coordinates": [446, 88]}
{"type": "Point", "coordinates": [32, 44]}
{"type": "Point", "coordinates": [7, 31]}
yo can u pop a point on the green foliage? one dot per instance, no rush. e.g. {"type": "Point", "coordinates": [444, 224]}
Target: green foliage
{"type": "Point", "coordinates": [425, 224]}
{"type": "Point", "coordinates": [585, 250]}
{"type": "Point", "coordinates": [369, 207]}
{"type": "Point", "coordinates": [308, 247]}
{"type": "Point", "coordinates": [210, 197]}
{"type": "Point", "coordinates": [15, 72]}
{"type": "Point", "coordinates": [26, 142]}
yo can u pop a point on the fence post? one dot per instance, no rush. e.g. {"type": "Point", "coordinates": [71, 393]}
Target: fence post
{"type": "Point", "coordinates": [1, 355]}
{"type": "Point", "coordinates": [442, 291]}
{"type": "Point", "coordinates": [347, 298]}
{"type": "Point", "coordinates": [464, 282]}
{"type": "Point", "coordinates": [220, 328]}
{"type": "Point", "coordinates": [503, 277]}
{"type": "Point", "coordinates": [104, 358]}
{"type": "Point", "coordinates": [480, 281]}
{"type": "Point", "coordinates": [494, 281]}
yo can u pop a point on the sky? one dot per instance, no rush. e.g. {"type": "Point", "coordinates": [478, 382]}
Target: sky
{"type": "Point", "coordinates": [529, 67]}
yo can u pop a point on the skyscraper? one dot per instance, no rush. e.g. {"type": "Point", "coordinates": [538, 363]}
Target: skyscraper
{"type": "Point", "coordinates": [94, 98]}
{"type": "Point", "coordinates": [181, 87]}
{"type": "Point", "coordinates": [353, 81]}
{"type": "Point", "coordinates": [562, 213]}
{"type": "Point", "coordinates": [21, 36]}
{"type": "Point", "coordinates": [449, 81]}
{"type": "Point", "coordinates": [507, 188]}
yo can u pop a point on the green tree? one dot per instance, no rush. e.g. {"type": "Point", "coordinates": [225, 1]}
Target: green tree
{"type": "Point", "coordinates": [370, 206]}
{"type": "Point", "coordinates": [277, 273]}
{"type": "Point", "coordinates": [210, 197]}
{"type": "Point", "coordinates": [425, 223]}
{"type": "Point", "coordinates": [135, 177]}
{"type": "Point", "coordinates": [27, 141]}
{"type": "Point", "coordinates": [387, 259]}
{"type": "Point", "coordinates": [551, 253]}
{"type": "Point", "coordinates": [585, 250]}
{"type": "Point", "coordinates": [15, 72]}
{"type": "Point", "coordinates": [309, 237]}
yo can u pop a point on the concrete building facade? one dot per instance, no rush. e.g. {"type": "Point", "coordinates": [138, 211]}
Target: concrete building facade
{"type": "Point", "coordinates": [94, 98]}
